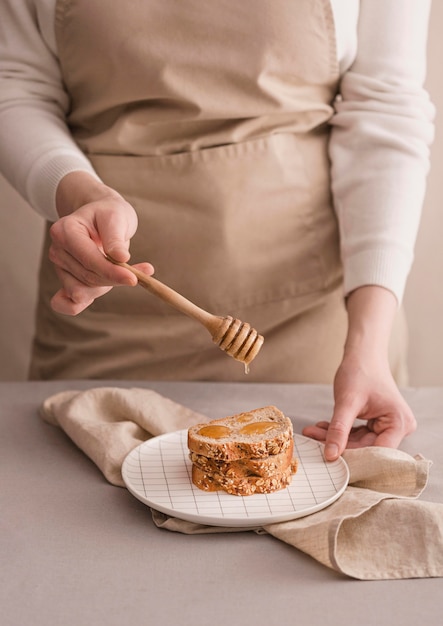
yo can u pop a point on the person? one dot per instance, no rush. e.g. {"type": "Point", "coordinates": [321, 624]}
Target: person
{"type": "Point", "coordinates": [268, 159]}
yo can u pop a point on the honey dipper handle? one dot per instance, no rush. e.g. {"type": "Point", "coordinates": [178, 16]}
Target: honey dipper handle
{"type": "Point", "coordinates": [171, 297]}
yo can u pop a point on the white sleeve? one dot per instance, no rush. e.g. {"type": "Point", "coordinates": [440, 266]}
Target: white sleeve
{"type": "Point", "coordinates": [36, 148]}
{"type": "Point", "coordinates": [381, 132]}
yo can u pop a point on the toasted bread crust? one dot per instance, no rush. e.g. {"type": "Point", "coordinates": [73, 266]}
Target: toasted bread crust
{"type": "Point", "coordinates": [261, 467]}
{"type": "Point", "coordinates": [236, 444]}
{"type": "Point", "coordinates": [246, 486]}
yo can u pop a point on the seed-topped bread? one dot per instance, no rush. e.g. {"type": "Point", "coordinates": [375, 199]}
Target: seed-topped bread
{"type": "Point", "coordinates": [253, 434]}
{"type": "Point", "coordinates": [262, 467]}
{"type": "Point", "coordinates": [245, 486]}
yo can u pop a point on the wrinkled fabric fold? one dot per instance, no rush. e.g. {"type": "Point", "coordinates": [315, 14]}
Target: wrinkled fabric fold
{"type": "Point", "coordinates": [107, 423]}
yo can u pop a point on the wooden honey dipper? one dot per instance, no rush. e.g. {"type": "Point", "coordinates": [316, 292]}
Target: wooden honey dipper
{"type": "Point", "coordinates": [236, 338]}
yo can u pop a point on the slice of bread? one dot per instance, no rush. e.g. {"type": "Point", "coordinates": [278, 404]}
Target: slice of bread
{"type": "Point", "coordinates": [262, 467]}
{"type": "Point", "coordinates": [246, 486]}
{"type": "Point", "coordinates": [253, 434]}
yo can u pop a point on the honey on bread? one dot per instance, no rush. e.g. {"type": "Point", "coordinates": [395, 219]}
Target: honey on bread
{"type": "Point", "coordinates": [247, 453]}
{"type": "Point", "coordinates": [214, 431]}
{"type": "Point", "coordinates": [218, 432]}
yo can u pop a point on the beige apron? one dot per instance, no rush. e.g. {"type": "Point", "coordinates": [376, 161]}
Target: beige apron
{"type": "Point", "coordinates": [211, 119]}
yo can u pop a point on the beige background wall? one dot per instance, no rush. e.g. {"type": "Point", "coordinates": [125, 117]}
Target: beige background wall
{"type": "Point", "coordinates": [424, 294]}
{"type": "Point", "coordinates": [21, 231]}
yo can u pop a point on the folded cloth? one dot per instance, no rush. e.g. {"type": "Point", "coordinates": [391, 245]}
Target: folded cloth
{"type": "Point", "coordinates": [376, 530]}
{"type": "Point", "coordinates": [106, 423]}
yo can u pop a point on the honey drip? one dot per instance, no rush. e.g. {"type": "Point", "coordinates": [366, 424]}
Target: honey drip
{"type": "Point", "coordinates": [246, 368]}
{"type": "Point", "coordinates": [214, 432]}
{"type": "Point", "coordinates": [257, 428]}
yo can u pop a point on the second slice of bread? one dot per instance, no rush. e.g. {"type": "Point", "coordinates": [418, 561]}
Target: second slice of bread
{"type": "Point", "coordinates": [262, 467]}
{"type": "Point", "coordinates": [246, 486]}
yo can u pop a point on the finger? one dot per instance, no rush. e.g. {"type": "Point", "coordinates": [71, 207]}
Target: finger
{"type": "Point", "coordinates": [315, 432]}
{"type": "Point", "coordinates": [345, 413]}
{"type": "Point", "coordinates": [74, 296]}
{"type": "Point", "coordinates": [390, 437]}
{"type": "Point", "coordinates": [322, 424]}
{"type": "Point", "coordinates": [392, 429]}
{"type": "Point", "coordinates": [145, 267]}
{"type": "Point", "coordinates": [359, 436]}
{"type": "Point", "coordinates": [77, 248]}
{"type": "Point", "coordinates": [363, 440]}
{"type": "Point", "coordinates": [92, 270]}
{"type": "Point", "coordinates": [62, 303]}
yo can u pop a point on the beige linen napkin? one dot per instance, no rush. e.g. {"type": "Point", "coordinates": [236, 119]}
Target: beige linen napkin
{"type": "Point", "coordinates": [108, 422]}
{"type": "Point", "coordinates": [376, 530]}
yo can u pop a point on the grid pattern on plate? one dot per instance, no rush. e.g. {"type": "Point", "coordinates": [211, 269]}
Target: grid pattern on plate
{"type": "Point", "coordinates": [160, 472]}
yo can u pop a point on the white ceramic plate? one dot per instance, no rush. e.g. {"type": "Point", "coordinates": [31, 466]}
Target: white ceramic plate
{"type": "Point", "coordinates": [158, 472]}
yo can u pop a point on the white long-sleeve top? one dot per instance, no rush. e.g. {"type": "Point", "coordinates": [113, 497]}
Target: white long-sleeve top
{"type": "Point", "coordinates": [381, 129]}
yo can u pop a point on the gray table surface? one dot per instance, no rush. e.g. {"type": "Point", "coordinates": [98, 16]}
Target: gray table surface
{"type": "Point", "coordinates": [75, 550]}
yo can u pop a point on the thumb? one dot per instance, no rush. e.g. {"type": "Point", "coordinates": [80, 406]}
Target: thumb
{"type": "Point", "coordinates": [117, 250]}
{"type": "Point", "coordinates": [116, 230]}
